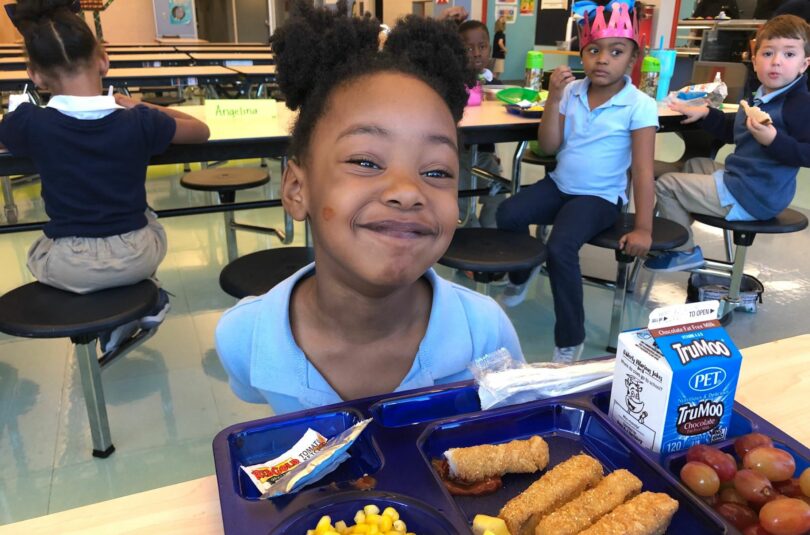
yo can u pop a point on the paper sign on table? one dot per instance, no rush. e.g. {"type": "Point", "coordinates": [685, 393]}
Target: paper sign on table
{"type": "Point", "coordinates": [241, 118]}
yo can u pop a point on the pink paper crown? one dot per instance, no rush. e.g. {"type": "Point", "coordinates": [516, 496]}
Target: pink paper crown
{"type": "Point", "coordinates": [620, 25]}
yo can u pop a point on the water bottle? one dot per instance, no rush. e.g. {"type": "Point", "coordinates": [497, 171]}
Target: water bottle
{"type": "Point", "coordinates": [650, 72]}
{"type": "Point", "coordinates": [534, 70]}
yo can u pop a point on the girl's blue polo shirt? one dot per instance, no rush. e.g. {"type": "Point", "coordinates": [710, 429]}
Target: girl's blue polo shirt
{"type": "Point", "coordinates": [264, 363]}
{"type": "Point", "coordinates": [596, 151]}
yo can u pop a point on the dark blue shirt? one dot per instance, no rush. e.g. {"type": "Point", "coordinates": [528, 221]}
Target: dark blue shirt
{"type": "Point", "coordinates": [93, 171]}
{"type": "Point", "coordinates": [763, 179]}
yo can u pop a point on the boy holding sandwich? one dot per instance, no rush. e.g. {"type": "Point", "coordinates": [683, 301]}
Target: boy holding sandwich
{"type": "Point", "coordinates": [758, 180]}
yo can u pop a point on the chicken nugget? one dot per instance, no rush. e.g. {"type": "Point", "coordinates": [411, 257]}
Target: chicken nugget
{"type": "Point", "coordinates": [558, 486]}
{"type": "Point", "coordinates": [649, 513]}
{"type": "Point", "coordinates": [591, 505]}
{"type": "Point", "coordinates": [480, 462]}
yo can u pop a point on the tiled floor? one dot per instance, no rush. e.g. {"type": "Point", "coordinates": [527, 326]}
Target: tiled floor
{"type": "Point", "coordinates": [168, 398]}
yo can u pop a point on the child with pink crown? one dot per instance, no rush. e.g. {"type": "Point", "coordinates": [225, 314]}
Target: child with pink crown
{"type": "Point", "coordinates": [599, 127]}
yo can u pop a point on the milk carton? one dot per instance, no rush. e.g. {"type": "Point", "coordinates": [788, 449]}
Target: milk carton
{"type": "Point", "coordinates": [674, 382]}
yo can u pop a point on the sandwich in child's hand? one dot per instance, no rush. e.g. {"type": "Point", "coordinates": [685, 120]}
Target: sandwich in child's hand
{"type": "Point", "coordinates": [558, 486]}
{"type": "Point", "coordinates": [756, 114]}
{"type": "Point", "coordinates": [477, 470]}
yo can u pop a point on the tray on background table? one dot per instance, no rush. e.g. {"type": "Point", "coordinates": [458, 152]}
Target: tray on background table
{"type": "Point", "coordinates": [412, 428]}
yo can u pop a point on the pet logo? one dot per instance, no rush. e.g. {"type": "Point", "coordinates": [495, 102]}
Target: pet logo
{"type": "Point", "coordinates": [707, 379]}
{"type": "Point", "coordinates": [633, 398]}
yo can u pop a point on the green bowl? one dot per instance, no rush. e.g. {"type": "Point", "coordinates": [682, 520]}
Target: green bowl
{"type": "Point", "coordinates": [513, 95]}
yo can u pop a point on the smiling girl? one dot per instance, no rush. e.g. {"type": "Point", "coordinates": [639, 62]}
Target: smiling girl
{"type": "Point", "coordinates": [374, 170]}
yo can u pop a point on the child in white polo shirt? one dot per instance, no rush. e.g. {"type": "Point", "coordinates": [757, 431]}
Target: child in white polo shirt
{"type": "Point", "coordinates": [599, 127]}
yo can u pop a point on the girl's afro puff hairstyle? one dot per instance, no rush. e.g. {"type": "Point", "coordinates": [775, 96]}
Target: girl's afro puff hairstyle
{"type": "Point", "coordinates": [318, 50]}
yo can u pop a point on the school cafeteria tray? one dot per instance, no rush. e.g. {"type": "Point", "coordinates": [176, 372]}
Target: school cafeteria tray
{"type": "Point", "coordinates": [410, 429]}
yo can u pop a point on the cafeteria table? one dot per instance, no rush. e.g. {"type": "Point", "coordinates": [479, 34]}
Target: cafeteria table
{"type": "Point", "coordinates": [150, 59]}
{"type": "Point", "coordinates": [113, 49]}
{"type": "Point", "coordinates": [237, 49]}
{"type": "Point", "coordinates": [229, 59]}
{"type": "Point", "coordinates": [141, 76]}
{"type": "Point", "coordinates": [146, 59]}
{"type": "Point", "coordinates": [774, 381]}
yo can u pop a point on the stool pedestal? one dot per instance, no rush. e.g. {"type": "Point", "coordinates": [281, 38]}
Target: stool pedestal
{"type": "Point", "coordinates": [743, 234]}
{"type": "Point", "coordinates": [39, 311]}
{"type": "Point", "coordinates": [666, 235]}
{"type": "Point", "coordinates": [225, 182]}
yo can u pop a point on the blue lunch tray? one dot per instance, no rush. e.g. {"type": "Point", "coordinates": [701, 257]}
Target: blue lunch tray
{"type": "Point", "coordinates": [411, 428]}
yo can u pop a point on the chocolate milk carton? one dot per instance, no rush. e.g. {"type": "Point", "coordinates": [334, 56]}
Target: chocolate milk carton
{"type": "Point", "coordinates": [675, 381]}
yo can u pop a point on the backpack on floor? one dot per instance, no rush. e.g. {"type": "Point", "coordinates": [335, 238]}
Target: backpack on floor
{"type": "Point", "coordinates": [704, 287]}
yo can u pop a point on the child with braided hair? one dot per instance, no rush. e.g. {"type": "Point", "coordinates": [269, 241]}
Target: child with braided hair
{"type": "Point", "coordinates": [91, 151]}
{"type": "Point", "coordinates": [374, 170]}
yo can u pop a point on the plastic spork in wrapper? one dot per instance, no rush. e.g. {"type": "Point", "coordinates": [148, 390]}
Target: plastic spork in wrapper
{"type": "Point", "coordinates": [504, 381]}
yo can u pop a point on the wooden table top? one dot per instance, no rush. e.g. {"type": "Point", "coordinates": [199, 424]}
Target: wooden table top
{"type": "Point", "coordinates": [230, 56]}
{"type": "Point", "coordinates": [774, 382]}
{"type": "Point", "coordinates": [179, 72]}
{"type": "Point", "coordinates": [180, 40]}
{"type": "Point", "coordinates": [253, 69]}
{"type": "Point", "coordinates": [148, 56]}
{"type": "Point", "coordinates": [237, 49]}
{"type": "Point", "coordinates": [138, 49]}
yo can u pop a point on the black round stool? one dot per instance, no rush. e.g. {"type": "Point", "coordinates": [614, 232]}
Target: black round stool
{"type": "Point", "coordinates": [666, 235]}
{"type": "Point", "coordinates": [743, 233]}
{"type": "Point", "coordinates": [36, 310]}
{"type": "Point", "coordinates": [257, 273]}
{"type": "Point", "coordinates": [487, 252]}
{"type": "Point", "coordinates": [226, 181]}
{"type": "Point", "coordinates": [549, 162]}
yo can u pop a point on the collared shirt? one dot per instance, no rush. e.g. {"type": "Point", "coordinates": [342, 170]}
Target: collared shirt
{"type": "Point", "coordinates": [92, 156]}
{"type": "Point", "coordinates": [84, 108]}
{"type": "Point", "coordinates": [264, 363]}
{"type": "Point", "coordinates": [596, 151]}
{"type": "Point", "coordinates": [760, 98]}
{"type": "Point", "coordinates": [737, 212]}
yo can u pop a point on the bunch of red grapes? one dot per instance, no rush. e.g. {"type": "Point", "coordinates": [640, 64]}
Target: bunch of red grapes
{"type": "Point", "coordinates": [761, 496]}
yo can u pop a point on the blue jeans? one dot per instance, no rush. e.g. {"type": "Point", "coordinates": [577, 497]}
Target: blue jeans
{"type": "Point", "coordinates": [576, 219]}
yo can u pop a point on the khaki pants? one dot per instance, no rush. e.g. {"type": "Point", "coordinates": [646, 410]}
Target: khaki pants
{"type": "Point", "coordinates": [85, 265]}
{"type": "Point", "coordinates": [693, 191]}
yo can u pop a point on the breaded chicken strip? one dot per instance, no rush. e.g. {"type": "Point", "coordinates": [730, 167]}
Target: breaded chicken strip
{"type": "Point", "coordinates": [480, 462]}
{"type": "Point", "coordinates": [558, 486]}
{"type": "Point", "coordinates": [649, 513]}
{"type": "Point", "coordinates": [591, 505]}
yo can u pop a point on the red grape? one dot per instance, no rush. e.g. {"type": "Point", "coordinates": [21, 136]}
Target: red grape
{"type": "Point", "coordinates": [789, 488]}
{"type": "Point", "coordinates": [700, 478]}
{"type": "Point", "coordinates": [732, 495]}
{"type": "Point", "coordinates": [740, 516]}
{"type": "Point", "coordinates": [753, 487]}
{"type": "Point", "coordinates": [723, 464]}
{"type": "Point", "coordinates": [787, 516]}
{"type": "Point", "coordinates": [773, 463]}
{"type": "Point", "coordinates": [746, 443]}
{"type": "Point", "coordinates": [804, 482]}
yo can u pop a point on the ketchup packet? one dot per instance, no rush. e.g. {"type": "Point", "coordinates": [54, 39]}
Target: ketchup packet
{"type": "Point", "coordinates": [310, 459]}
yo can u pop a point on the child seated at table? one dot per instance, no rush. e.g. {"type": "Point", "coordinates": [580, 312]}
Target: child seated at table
{"type": "Point", "coordinates": [599, 127]}
{"type": "Point", "coordinates": [475, 36]}
{"type": "Point", "coordinates": [91, 152]}
{"type": "Point", "coordinates": [758, 179]}
{"type": "Point", "coordinates": [374, 171]}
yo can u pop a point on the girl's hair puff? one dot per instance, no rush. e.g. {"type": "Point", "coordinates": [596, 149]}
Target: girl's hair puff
{"type": "Point", "coordinates": [55, 37]}
{"type": "Point", "coordinates": [318, 50]}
